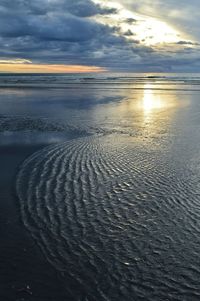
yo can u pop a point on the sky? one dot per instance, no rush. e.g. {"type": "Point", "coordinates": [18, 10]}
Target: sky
{"type": "Point", "coordinates": [99, 35]}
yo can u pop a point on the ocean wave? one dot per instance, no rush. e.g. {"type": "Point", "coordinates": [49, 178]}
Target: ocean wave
{"type": "Point", "coordinates": [68, 81]}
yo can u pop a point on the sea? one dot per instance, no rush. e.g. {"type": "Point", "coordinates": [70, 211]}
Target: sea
{"type": "Point", "coordinates": [100, 187]}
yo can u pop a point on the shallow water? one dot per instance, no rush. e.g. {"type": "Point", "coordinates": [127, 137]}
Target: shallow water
{"type": "Point", "coordinates": [111, 196]}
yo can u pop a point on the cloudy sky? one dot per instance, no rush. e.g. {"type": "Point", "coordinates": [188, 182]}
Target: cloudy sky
{"type": "Point", "coordinates": [98, 35]}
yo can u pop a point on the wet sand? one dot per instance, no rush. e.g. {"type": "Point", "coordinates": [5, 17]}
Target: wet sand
{"type": "Point", "coordinates": [21, 264]}
{"type": "Point", "coordinates": [99, 193]}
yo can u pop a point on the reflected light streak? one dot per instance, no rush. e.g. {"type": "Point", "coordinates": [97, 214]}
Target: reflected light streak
{"type": "Point", "coordinates": [149, 111]}
{"type": "Point", "coordinates": [151, 101]}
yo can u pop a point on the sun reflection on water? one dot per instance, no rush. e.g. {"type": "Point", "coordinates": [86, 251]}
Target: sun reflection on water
{"type": "Point", "coordinates": [152, 101]}
{"type": "Point", "coordinates": [146, 112]}
{"type": "Point", "coordinates": [156, 108]}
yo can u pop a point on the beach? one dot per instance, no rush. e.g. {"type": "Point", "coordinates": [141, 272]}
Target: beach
{"type": "Point", "coordinates": [99, 187]}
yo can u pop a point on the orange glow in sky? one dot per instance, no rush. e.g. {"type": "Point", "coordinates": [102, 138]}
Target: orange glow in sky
{"type": "Point", "coordinates": [46, 68]}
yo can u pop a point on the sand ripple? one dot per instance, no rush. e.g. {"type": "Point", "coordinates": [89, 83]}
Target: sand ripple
{"type": "Point", "coordinates": [120, 222]}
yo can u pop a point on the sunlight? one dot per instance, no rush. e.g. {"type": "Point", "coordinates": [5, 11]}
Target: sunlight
{"type": "Point", "coordinates": [147, 30]}
{"type": "Point", "coordinates": [151, 101]}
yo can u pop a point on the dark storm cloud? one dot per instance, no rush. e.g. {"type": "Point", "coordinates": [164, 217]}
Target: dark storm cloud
{"type": "Point", "coordinates": [43, 18]}
{"type": "Point", "coordinates": [80, 8]}
{"type": "Point", "coordinates": [129, 33]}
{"type": "Point", "coordinates": [187, 43]}
{"type": "Point", "coordinates": [88, 8]}
{"type": "Point", "coordinates": [55, 27]}
{"type": "Point", "coordinates": [59, 31]}
{"type": "Point", "coordinates": [130, 21]}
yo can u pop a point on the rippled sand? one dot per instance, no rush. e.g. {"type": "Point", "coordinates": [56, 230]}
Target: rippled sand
{"type": "Point", "coordinates": [116, 217]}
